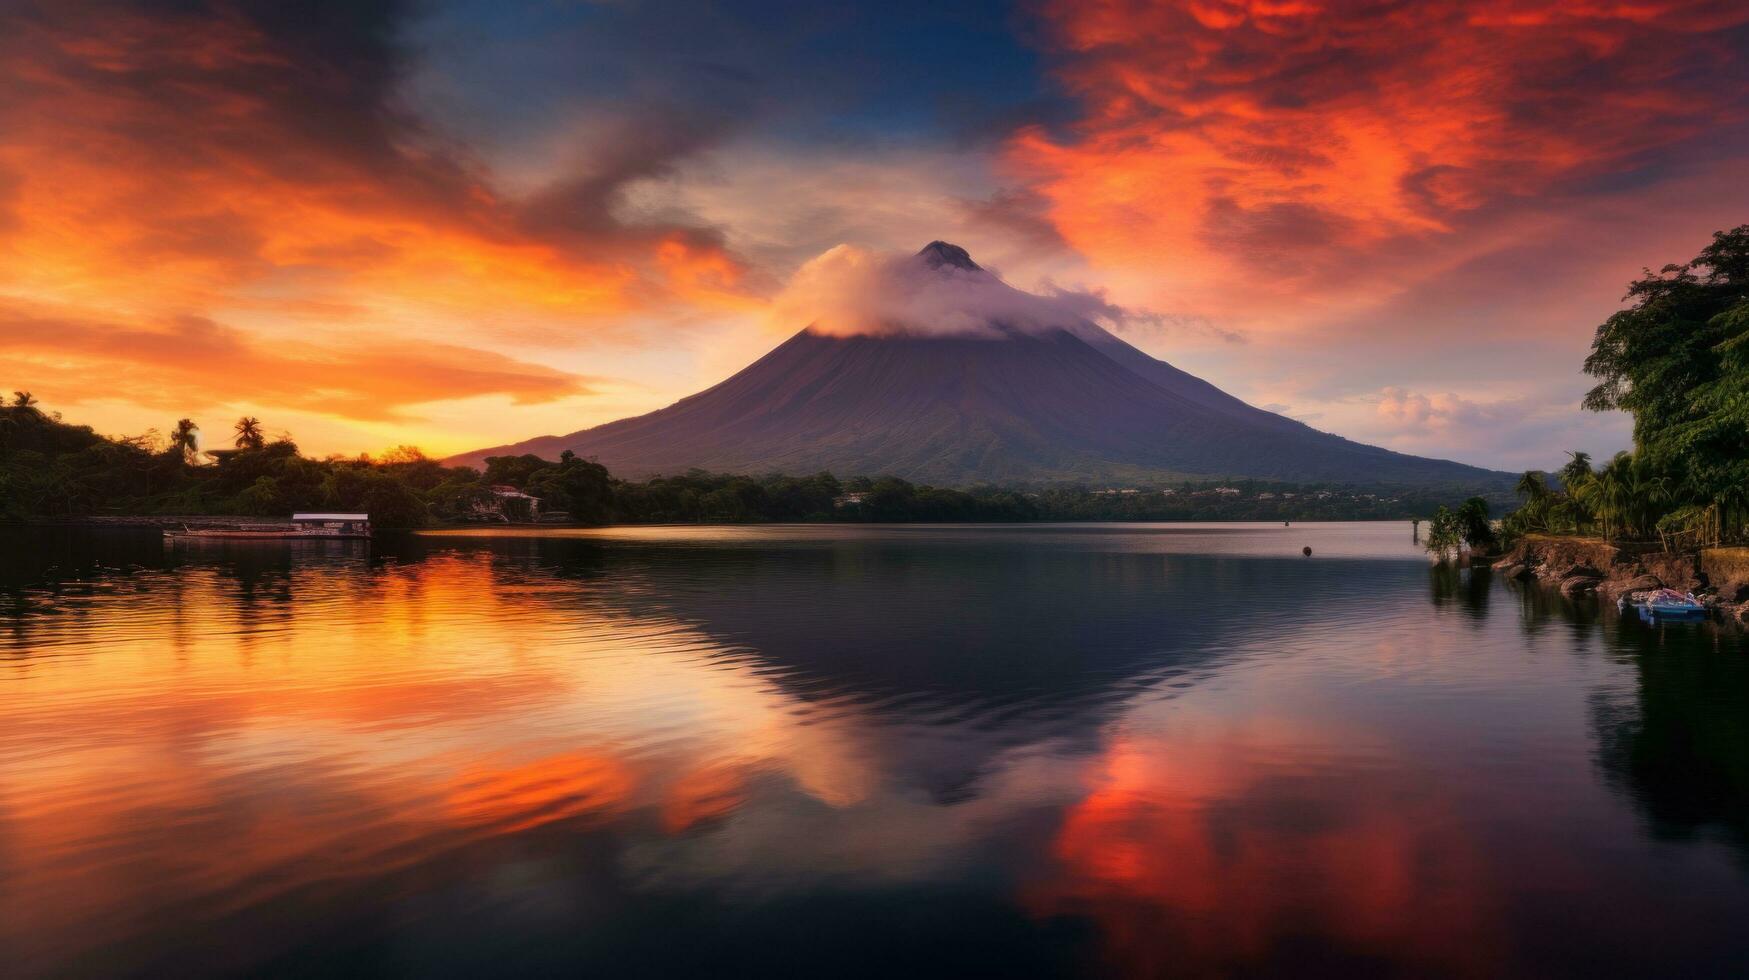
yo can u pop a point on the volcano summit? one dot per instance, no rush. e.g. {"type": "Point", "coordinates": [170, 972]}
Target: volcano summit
{"type": "Point", "coordinates": [933, 369]}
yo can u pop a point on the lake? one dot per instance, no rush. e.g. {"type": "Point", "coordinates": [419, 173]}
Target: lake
{"type": "Point", "coordinates": [1087, 750]}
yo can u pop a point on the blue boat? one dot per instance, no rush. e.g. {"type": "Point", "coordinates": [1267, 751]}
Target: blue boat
{"type": "Point", "coordinates": [1669, 604]}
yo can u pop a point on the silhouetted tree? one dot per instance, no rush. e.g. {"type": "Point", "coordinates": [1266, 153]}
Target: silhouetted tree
{"type": "Point", "coordinates": [249, 433]}
{"type": "Point", "coordinates": [183, 444]}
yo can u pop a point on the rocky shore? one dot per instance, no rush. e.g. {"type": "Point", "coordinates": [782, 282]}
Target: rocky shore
{"type": "Point", "coordinates": [1580, 567]}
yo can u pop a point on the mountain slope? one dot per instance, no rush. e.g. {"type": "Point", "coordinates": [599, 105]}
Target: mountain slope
{"type": "Point", "coordinates": [1006, 405]}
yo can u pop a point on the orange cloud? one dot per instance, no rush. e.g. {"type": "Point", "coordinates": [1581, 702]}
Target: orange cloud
{"type": "Point", "coordinates": [165, 165]}
{"type": "Point", "coordinates": [1248, 157]}
{"type": "Point", "coordinates": [192, 362]}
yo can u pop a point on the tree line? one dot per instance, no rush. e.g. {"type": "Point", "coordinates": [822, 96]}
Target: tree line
{"type": "Point", "coordinates": [1676, 358]}
{"type": "Point", "coordinates": [51, 468]}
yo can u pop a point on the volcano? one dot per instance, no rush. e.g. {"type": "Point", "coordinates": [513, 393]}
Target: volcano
{"type": "Point", "coordinates": [1029, 393]}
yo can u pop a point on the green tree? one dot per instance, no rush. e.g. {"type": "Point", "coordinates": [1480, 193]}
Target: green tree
{"type": "Point", "coordinates": [1533, 486]}
{"type": "Point", "coordinates": [1677, 359]}
{"type": "Point", "coordinates": [1474, 526]}
{"type": "Point", "coordinates": [262, 499]}
{"type": "Point", "coordinates": [1444, 533]}
{"type": "Point", "coordinates": [1577, 470]}
{"type": "Point", "coordinates": [1572, 511]}
{"type": "Point", "coordinates": [580, 487]}
{"type": "Point", "coordinates": [391, 503]}
{"type": "Point", "coordinates": [514, 471]}
{"type": "Point", "coordinates": [1537, 511]}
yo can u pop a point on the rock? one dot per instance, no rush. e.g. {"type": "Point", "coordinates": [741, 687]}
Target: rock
{"type": "Point", "coordinates": [1524, 573]}
{"type": "Point", "coordinates": [1512, 571]}
{"type": "Point", "coordinates": [1734, 592]}
{"type": "Point", "coordinates": [1574, 586]}
{"type": "Point", "coordinates": [1677, 571]}
{"type": "Point", "coordinates": [1587, 571]}
{"type": "Point", "coordinates": [1643, 583]}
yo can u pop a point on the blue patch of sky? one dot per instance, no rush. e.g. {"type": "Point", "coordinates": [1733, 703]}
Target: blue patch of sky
{"type": "Point", "coordinates": [800, 72]}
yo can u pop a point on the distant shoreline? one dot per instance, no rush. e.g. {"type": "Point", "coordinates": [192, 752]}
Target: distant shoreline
{"type": "Point", "coordinates": [172, 521]}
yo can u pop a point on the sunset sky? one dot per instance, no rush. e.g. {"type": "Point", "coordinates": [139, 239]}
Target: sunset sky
{"type": "Point", "coordinates": [457, 223]}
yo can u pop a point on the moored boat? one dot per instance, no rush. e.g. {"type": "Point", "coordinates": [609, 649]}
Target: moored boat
{"type": "Point", "coordinates": [1668, 604]}
{"type": "Point", "coordinates": [301, 526]}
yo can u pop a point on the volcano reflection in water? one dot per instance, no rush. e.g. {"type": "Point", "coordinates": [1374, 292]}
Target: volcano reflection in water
{"type": "Point", "coordinates": [914, 751]}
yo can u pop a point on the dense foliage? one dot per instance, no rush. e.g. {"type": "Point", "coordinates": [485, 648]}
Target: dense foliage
{"type": "Point", "coordinates": [1677, 359]}
{"type": "Point", "coordinates": [1466, 527]}
{"type": "Point", "coordinates": [49, 468]}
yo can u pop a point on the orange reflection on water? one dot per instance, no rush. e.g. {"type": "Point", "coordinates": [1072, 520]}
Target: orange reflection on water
{"type": "Point", "coordinates": [1241, 848]}
{"type": "Point", "coordinates": [223, 742]}
{"type": "Point", "coordinates": [707, 793]}
{"type": "Point", "coordinates": [543, 791]}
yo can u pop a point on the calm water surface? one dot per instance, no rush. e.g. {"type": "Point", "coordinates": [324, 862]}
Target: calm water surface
{"type": "Point", "coordinates": [1134, 750]}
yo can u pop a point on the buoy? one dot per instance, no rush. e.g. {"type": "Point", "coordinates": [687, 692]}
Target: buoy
{"type": "Point", "coordinates": [1307, 551]}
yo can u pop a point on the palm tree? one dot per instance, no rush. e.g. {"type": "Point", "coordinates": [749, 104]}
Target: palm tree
{"type": "Point", "coordinates": [1643, 491]}
{"type": "Point", "coordinates": [23, 399]}
{"type": "Point", "coordinates": [1582, 490]}
{"type": "Point", "coordinates": [1533, 486]}
{"type": "Point", "coordinates": [1577, 470]}
{"type": "Point", "coordinates": [1627, 495]}
{"type": "Point", "coordinates": [182, 440]}
{"type": "Point", "coordinates": [249, 433]}
{"type": "Point", "coordinates": [1616, 477]}
{"type": "Point", "coordinates": [1591, 503]}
